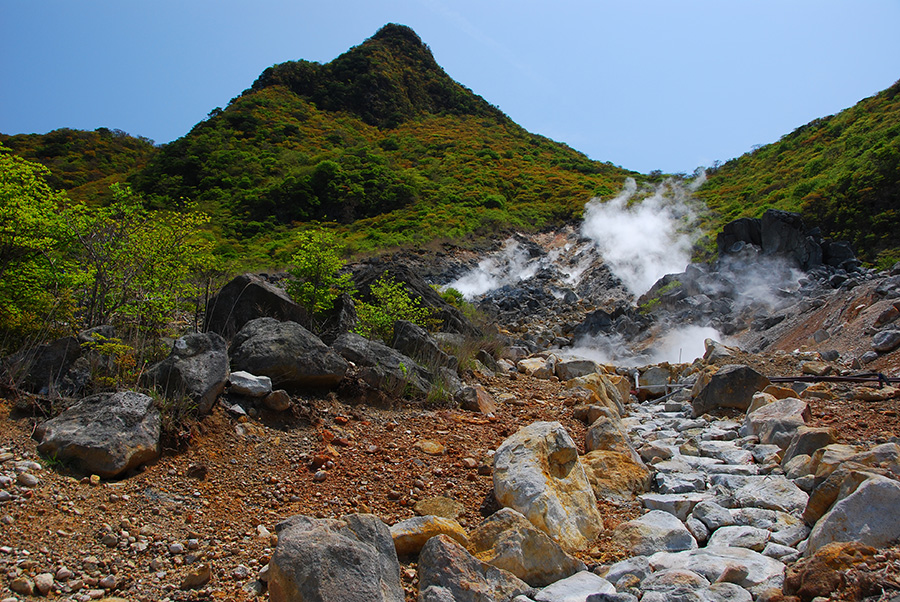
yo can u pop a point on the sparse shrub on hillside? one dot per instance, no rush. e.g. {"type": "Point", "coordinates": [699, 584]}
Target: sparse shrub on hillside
{"type": "Point", "coordinates": [390, 302]}
{"type": "Point", "coordinates": [316, 265]}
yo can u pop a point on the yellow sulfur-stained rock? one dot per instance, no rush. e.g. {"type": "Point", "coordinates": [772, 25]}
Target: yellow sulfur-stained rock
{"type": "Point", "coordinates": [411, 535]}
{"type": "Point", "coordinates": [616, 475]}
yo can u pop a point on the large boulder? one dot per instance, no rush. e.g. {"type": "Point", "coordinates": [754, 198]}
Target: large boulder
{"type": "Point", "coordinates": [106, 434]}
{"type": "Point", "coordinates": [537, 473]}
{"type": "Point", "coordinates": [248, 297]}
{"type": "Point", "coordinates": [333, 560]}
{"type": "Point", "coordinates": [807, 440]}
{"type": "Point", "coordinates": [414, 341]}
{"type": "Point", "coordinates": [382, 367]}
{"type": "Point", "coordinates": [656, 531]}
{"type": "Point", "coordinates": [615, 474]}
{"type": "Point", "coordinates": [777, 422]}
{"type": "Point", "coordinates": [43, 369]}
{"type": "Point", "coordinates": [287, 353]}
{"type": "Point", "coordinates": [751, 570]}
{"type": "Point", "coordinates": [870, 515]}
{"type": "Point", "coordinates": [509, 541]}
{"type": "Point", "coordinates": [448, 573]}
{"type": "Point", "coordinates": [732, 386]}
{"type": "Point", "coordinates": [196, 369]}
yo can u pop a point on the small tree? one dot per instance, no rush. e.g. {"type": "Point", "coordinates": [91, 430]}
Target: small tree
{"type": "Point", "coordinates": [391, 302]}
{"type": "Point", "coordinates": [316, 271]}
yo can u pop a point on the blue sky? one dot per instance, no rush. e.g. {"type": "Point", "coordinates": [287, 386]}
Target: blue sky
{"type": "Point", "coordinates": [664, 84]}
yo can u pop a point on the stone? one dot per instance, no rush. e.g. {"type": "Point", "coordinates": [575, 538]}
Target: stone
{"type": "Point", "coordinates": [352, 558]}
{"type": "Point", "coordinates": [197, 368]}
{"type": "Point", "coordinates": [411, 535]}
{"type": "Point", "coordinates": [797, 467]}
{"type": "Point", "coordinates": [197, 577]}
{"type": "Point", "coordinates": [576, 588]}
{"type": "Point", "coordinates": [245, 298]}
{"type": "Point", "coordinates": [635, 566]}
{"type": "Point", "coordinates": [106, 434]}
{"type": "Point", "coordinates": [680, 482]}
{"type": "Point", "coordinates": [886, 341]}
{"type": "Point", "coordinates": [448, 573]}
{"type": "Point", "coordinates": [606, 434]}
{"type": "Point", "coordinates": [616, 475]}
{"type": "Point", "coordinates": [440, 506]}
{"type": "Point", "coordinates": [777, 423]}
{"type": "Point", "coordinates": [414, 341]}
{"type": "Point", "coordinates": [277, 401]}
{"type": "Point", "coordinates": [746, 568]}
{"type": "Point", "coordinates": [772, 492]}
{"type": "Point", "coordinates": [654, 532]}
{"type": "Point", "coordinates": [22, 585]}
{"type": "Point", "coordinates": [870, 515]}
{"type": "Point", "coordinates": [712, 515]}
{"type": "Point", "coordinates": [824, 572]}
{"type": "Point", "coordinates": [287, 353]}
{"type": "Point", "coordinates": [567, 369]}
{"type": "Point", "coordinates": [507, 540]}
{"type": "Point", "coordinates": [738, 536]}
{"type": "Point", "coordinates": [537, 472]}
{"type": "Point", "coordinates": [761, 399]}
{"type": "Point", "coordinates": [43, 583]}
{"type": "Point", "coordinates": [43, 369]}
{"type": "Point", "coordinates": [249, 385]}
{"type": "Point", "coordinates": [538, 367]}
{"type": "Point", "coordinates": [430, 447]}
{"type": "Point", "coordinates": [476, 399]}
{"type": "Point", "coordinates": [382, 367]}
{"type": "Point", "coordinates": [698, 529]}
{"type": "Point", "coordinates": [815, 368]}
{"type": "Point", "coordinates": [610, 390]}
{"type": "Point", "coordinates": [732, 386]}
{"type": "Point", "coordinates": [807, 440]}
{"type": "Point", "coordinates": [654, 381]}
{"type": "Point", "coordinates": [668, 580]}
{"type": "Point", "coordinates": [676, 504]}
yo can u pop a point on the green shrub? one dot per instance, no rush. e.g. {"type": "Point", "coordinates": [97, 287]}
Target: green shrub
{"type": "Point", "coordinates": [316, 266]}
{"type": "Point", "coordinates": [390, 302]}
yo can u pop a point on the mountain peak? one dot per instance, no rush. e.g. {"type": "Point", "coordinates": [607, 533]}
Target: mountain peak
{"type": "Point", "coordinates": [387, 80]}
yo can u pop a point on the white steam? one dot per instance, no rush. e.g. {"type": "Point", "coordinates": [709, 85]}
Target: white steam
{"type": "Point", "coordinates": [509, 266]}
{"type": "Point", "coordinates": [679, 345]}
{"type": "Point", "coordinates": [646, 239]}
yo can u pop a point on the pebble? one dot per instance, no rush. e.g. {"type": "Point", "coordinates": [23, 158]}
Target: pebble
{"type": "Point", "coordinates": [43, 583]}
{"type": "Point", "coordinates": [197, 578]}
{"type": "Point", "coordinates": [108, 582]}
{"type": "Point", "coordinates": [176, 548]}
{"type": "Point", "coordinates": [26, 479]}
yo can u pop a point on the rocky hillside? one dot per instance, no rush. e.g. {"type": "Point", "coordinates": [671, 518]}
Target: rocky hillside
{"type": "Point", "coordinates": [448, 468]}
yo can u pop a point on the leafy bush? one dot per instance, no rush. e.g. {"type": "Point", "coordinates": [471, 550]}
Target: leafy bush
{"type": "Point", "coordinates": [391, 302]}
{"type": "Point", "coordinates": [315, 270]}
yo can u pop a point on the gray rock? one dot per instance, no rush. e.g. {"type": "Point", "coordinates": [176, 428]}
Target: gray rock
{"type": "Point", "coordinates": [576, 588]}
{"type": "Point", "coordinates": [105, 434]}
{"type": "Point", "coordinates": [726, 451]}
{"type": "Point", "coordinates": [746, 568]}
{"type": "Point", "coordinates": [680, 482]}
{"type": "Point", "coordinates": [780, 552]}
{"type": "Point", "coordinates": [537, 472]}
{"type": "Point", "coordinates": [738, 536]}
{"type": "Point", "coordinates": [249, 385]}
{"type": "Point", "coordinates": [732, 386]}
{"type": "Point", "coordinates": [568, 369]}
{"type": "Point", "coordinates": [383, 367]}
{"type": "Point", "coordinates": [248, 297]}
{"type": "Point", "coordinates": [653, 532]}
{"type": "Point", "coordinates": [448, 572]}
{"type": "Point", "coordinates": [509, 541]}
{"type": "Point", "coordinates": [773, 492]}
{"type": "Point", "coordinates": [415, 342]}
{"type": "Point", "coordinates": [277, 401]}
{"type": "Point", "coordinates": [638, 566]}
{"type": "Point", "coordinates": [698, 529]}
{"type": "Point", "coordinates": [725, 592]}
{"type": "Point", "coordinates": [334, 560]}
{"type": "Point", "coordinates": [287, 353]}
{"type": "Point", "coordinates": [807, 440]}
{"type": "Point", "coordinates": [668, 580]}
{"type": "Point", "coordinates": [777, 422]}
{"type": "Point", "coordinates": [870, 515]}
{"type": "Point", "coordinates": [886, 341]}
{"type": "Point", "coordinates": [43, 369]}
{"type": "Point", "coordinates": [676, 504]}
{"type": "Point", "coordinates": [712, 515]}
{"type": "Point", "coordinates": [197, 368]}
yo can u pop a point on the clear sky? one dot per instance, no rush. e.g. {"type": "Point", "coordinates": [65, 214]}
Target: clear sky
{"type": "Point", "coordinates": [645, 84]}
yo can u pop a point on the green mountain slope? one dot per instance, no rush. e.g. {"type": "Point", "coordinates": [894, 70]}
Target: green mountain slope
{"type": "Point", "coordinates": [380, 140]}
{"type": "Point", "coordinates": [841, 172]}
{"type": "Point", "coordinates": [81, 162]}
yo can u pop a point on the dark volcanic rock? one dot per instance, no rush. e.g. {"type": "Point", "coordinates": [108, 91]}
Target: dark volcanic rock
{"type": "Point", "coordinates": [382, 367]}
{"type": "Point", "coordinates": [246, 298]}
{"type": "Point", "coordinates": [197, 368]}
{"type": "Point", "coordinates": [414, 341]}
{"type": "Point", "coordinates": [731, 387]}
{"type": "Point", "coordinates": [43, 369]}
{"type": "Point", "coordinates": [105, 434]}
{"type": "Point", "coordinates": [287, 353]}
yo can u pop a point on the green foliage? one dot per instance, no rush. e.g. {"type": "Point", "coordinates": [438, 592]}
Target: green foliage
{"type": "Point", "coordinates": [315, 268]}
{"type": "Point", "coordinates": [33, 276]}
{"type": "Point", "coordinates": [118, 365]}
{"type": "Point", "coordinates": [390, 302]}
{"type": "Point", "coordinates": [136, 264]}
{"type": "Point", "coordinates": [842, 173]}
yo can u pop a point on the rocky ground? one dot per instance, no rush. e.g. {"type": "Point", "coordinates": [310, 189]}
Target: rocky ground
{"type": "Point", "coordinates": [198, 523]}
{"type": "Point", "coordinates": [213, 506]}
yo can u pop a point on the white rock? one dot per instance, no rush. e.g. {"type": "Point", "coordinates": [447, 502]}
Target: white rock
{"type": "Point", "coordinates": [576, 588]}
{"type": "Point", "coordinates": [754, 572]}
{"type": "Point", "coordinates": [653, 532]}
{"type": "Point", "coordinates": [741, 537]}
{"type": "Point", "coordinates": [244, 383]}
